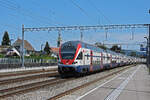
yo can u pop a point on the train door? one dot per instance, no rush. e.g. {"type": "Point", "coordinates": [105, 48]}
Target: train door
{"type": "Point", "coordinates": [91, 60]}
{"type": "Point", "coordinates": [107, 55]}
{"type": "Point", "coordinates": [110, 60]}
{"type": "Point", "coordinates": [104, 59]}
{"type": "Point", "coordinates": [84, 57]}
{"type": "Point", "coordinates": [101, 57]}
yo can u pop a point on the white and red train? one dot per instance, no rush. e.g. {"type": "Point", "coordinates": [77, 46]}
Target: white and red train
{"type": "Point", "coordinates": [76, 57]}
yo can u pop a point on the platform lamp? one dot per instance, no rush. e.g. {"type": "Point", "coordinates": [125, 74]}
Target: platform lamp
{"type": "Point", "coordinates": [147, 61]}
{"type": "Point", "coordinates": [41, 53]}
{"type": "Point", "coordinates": [149, 46]}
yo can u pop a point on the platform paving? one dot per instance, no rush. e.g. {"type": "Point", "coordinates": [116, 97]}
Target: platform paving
{"type": "Point", "coordinates": [133, 84]}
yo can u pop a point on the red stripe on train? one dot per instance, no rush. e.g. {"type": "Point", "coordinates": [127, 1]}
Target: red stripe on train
{"type": "Point", "coordinates": [78, 48]}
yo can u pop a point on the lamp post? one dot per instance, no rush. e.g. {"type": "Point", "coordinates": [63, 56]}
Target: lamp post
{"type": "Point", "coordinates": [149, 48]}
{"type": "Point", "coordinates": [41, 53]}
{"type": "Point", "coordinates": [147, 56]}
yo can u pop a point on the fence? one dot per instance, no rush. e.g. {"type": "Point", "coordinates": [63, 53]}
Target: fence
{"type": "Point", "coordinates": [6, 63]}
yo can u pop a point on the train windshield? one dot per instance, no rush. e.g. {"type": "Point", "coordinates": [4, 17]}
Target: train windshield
{"type": "Point", "coordinates": [68, 50]}
{"type": "Point", "coordinates": [67, 55]}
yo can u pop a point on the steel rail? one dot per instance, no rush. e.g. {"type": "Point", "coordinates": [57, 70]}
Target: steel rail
{"type": "Point", "coordinates": [20, 79]}
{"type": "Point", "coordinates": [26, 72]}
{"type": "Point", "coordinates": [31, 87]}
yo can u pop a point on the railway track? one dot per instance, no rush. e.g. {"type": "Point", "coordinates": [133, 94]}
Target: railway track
{"type": "Point", "coordinates": [9, 92]}
{"type": "Point", "coordinates": [32, 77]}
{"type": "Point", "coordinates": [29, 87]}
{"type": "Point", "coordinates": [10, 74]}
{"type": "Point", "coordinates": [86, 84]}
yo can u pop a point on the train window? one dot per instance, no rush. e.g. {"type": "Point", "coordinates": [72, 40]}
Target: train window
{"type": "Point", "coordinates": [68, 47]}
{"type": "Point", "coordinates": [87, 57]}
{"type": "Point", "coordinates": [80, 56]}
{"type": "Point", "coordinates": [67, 55]}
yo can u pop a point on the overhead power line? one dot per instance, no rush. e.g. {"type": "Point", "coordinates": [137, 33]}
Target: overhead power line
{"type": "Point", "coordinates": [81, 9]}
{"type": "Point", "coordinates": [28, 13]}
{"type": "Point", "coordinates": [51, 11]}
{"type": "Point", "coordinates": [20, 11]}
{"type": "Point", "coordinates": [100, 12]}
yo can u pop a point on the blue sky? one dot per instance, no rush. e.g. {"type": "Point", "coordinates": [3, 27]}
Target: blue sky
{"type": "Point", "coordinates": [40, 13]}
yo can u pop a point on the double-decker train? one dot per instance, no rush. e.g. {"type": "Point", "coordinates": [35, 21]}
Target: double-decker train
{"type": "Point", "coordinates": [76, 58]}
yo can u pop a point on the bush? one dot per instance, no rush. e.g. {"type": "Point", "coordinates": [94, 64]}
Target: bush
{"type": "Point", "coordinates": [40, 57]}
{"type": "Point", "coordinates": [1, 56]}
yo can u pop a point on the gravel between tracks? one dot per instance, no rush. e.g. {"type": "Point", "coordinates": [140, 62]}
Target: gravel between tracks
{"type": "Point", "coordinates": [24, 82]}
{"type": "Point", "coordinates": [47, 92]}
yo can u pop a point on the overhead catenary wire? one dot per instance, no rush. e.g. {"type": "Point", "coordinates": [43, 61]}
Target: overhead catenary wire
{"type": "Point", "coordinates": [27, 13]}
{"type": "Point", "coordinates": [19, 12]}
{"type": "Point", "coordinates": [81, 9]}
{"type": "Point", "coordinates": [52, 12]}
{"type": "Point", "coordinates": [16, 16]}
{"type": "Point", "coordinates": [100, 12]}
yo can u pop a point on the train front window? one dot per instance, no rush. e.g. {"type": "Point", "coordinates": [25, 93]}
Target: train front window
{"type": "Point", "coordinates": [67, 55]}
{"type": "Point", "coordinates": [68, 48]}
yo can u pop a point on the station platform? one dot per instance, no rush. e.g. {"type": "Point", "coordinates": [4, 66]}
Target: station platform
{"type": "Point", "coordinates": [27, 69]}
{"type": "Point", "coordinates": [133, 84]}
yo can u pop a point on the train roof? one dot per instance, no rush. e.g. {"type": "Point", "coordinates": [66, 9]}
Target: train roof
{"type": "Point", "coordinates": [94, 48]}
{"type": "Point", "coordinates": [90, 46]}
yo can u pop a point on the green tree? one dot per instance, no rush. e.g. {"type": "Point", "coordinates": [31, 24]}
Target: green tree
{"type": "Point", "coordinates": [116, 48]}
{"type": "Point", "coordinates": [122, 52]}
{"type": "Point", "coordinates": [47, 49]}
{"type": "Point", "coordinates": [6, 40]}
{"type": "Point", "coordinates": [133, 53]}
{"type": "Point", "coordinates": [100, 45]}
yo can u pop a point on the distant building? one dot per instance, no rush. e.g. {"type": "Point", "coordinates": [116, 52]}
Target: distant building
{"type": "Point", "coordinates": [28, 48]}
{"type": "Point", "coordinates": [55, 51]}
